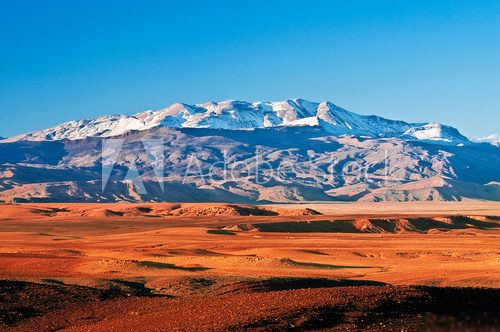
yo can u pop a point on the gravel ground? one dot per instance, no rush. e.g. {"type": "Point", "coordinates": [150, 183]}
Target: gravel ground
{"type": "Point", "coordinates": [281, 304]}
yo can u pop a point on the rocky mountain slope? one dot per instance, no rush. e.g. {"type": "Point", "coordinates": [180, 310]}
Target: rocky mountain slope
{"type": "Point", "coordinates": [265, 165]}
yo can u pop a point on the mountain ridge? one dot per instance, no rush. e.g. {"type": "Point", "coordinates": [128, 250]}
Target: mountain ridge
{"type": "Point", "coordinates": [242, 115]}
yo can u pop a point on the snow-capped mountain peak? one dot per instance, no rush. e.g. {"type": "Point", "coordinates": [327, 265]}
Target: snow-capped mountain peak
{"type": "Point", "coordinates": [237, 115]}
{"type": "Point", "coordinates": [435, 132]}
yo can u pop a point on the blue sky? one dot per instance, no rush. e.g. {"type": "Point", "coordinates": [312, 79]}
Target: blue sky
{"type": "Point", "coordinates": [410, 60]}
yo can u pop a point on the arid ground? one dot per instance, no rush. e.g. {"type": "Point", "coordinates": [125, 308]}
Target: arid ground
{"type": "Point", "coordinates": [165, 266]}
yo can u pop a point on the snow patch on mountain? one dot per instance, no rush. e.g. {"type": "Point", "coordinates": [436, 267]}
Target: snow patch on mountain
{"type": "Point", "coordinates": [493, 139]}
{"type": "Point", "coordinates": [311, 121]}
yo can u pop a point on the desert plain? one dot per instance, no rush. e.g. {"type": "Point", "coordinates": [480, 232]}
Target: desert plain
{"type": "Point", "coordinates": [169, 266]}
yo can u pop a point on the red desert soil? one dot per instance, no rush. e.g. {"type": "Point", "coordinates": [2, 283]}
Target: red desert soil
{"type": "Point", "coordinates": [336, 308]}
{"type": "Point", "coordinates": [165, 266]}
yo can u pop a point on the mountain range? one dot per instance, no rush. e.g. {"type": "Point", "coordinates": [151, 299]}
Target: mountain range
{"type": "Point", "coordinates": [238, 115]}
{"type": "Point", "coordinates": [292, 150]}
